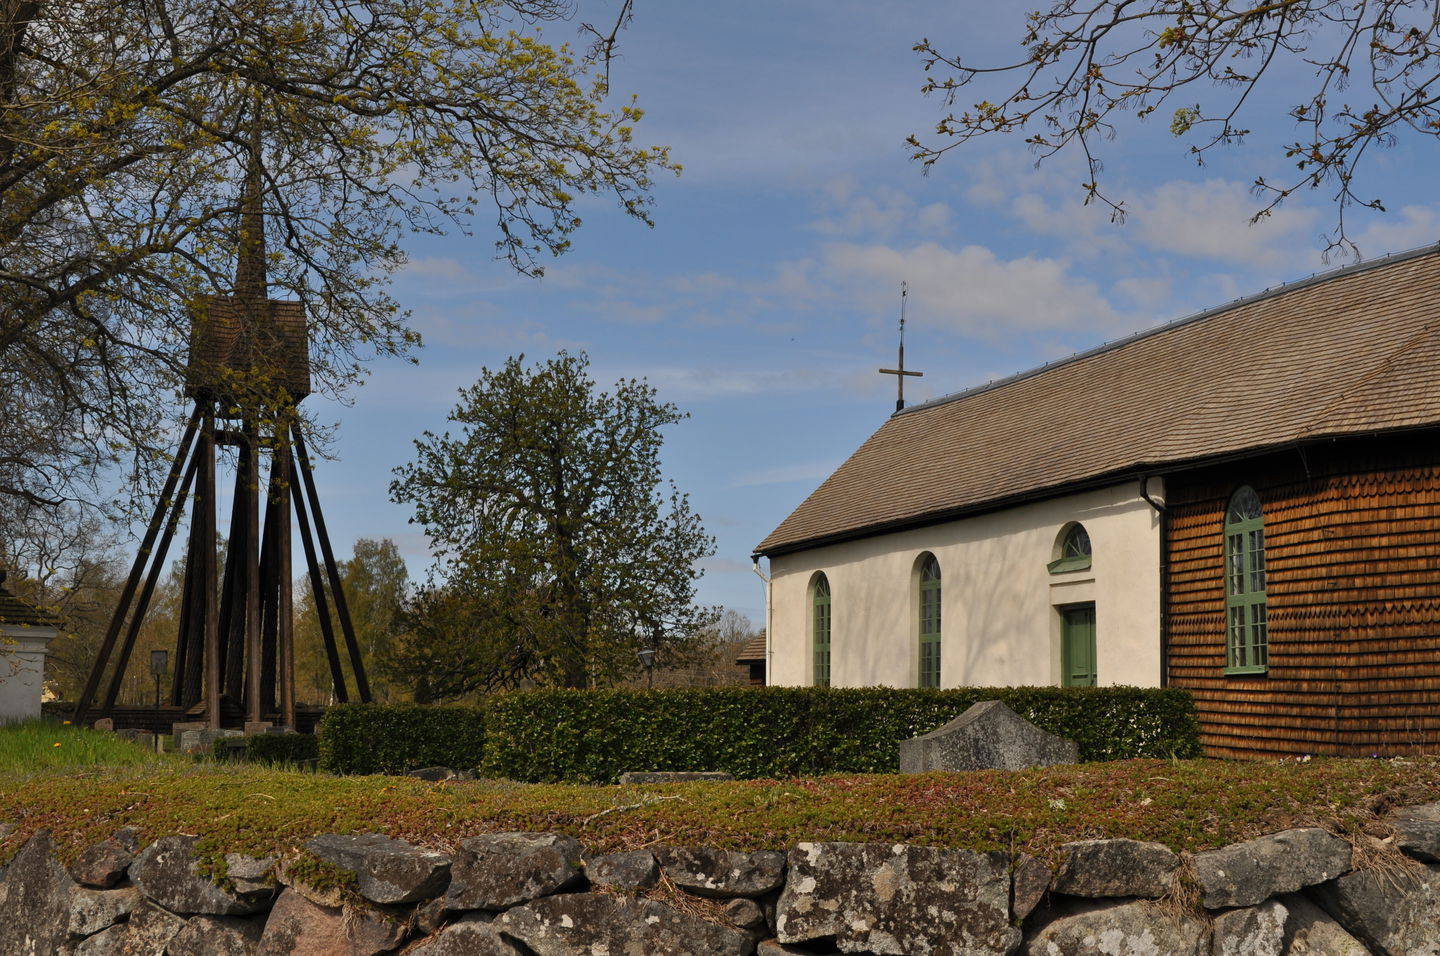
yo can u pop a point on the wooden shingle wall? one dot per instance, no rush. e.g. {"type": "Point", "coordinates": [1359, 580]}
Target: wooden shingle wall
{"type": "Point", "coordinates": [1352, 540]}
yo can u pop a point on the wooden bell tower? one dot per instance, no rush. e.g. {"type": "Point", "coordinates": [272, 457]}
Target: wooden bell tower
{"type": "Point", "coordinates": [234, 655]}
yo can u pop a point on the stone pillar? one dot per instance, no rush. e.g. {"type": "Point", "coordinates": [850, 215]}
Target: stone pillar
{"type": "Point", "coordinates": [22, 671]}
{"type": "Point", "coordinates": [25, 633]}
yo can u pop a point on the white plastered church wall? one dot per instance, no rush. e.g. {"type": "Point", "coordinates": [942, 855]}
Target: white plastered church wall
{"type": "Point", "coordinates": [1000, 617]}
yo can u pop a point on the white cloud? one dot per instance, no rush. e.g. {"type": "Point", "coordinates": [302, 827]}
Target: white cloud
{"type": "Point", "coordinates": [1407, 228]}
{"type": "Point", "coordinates": [434, 267]}
{"type": "Point", "coordinates": [703, 283]}
{"type": "Point", "coordinates": [1151, 293]}
{"type": "Point", "coordinates": [1226, 289]}
{"type": "Point", "coordinates": [446, 277]}
{"type": "Point", "coordinates": [971, 290]}
{"type": "Point", "coordinates": [794, 278]}
{"type": "Point", "coordinates": [1211, 220]}
{"type": "Point", "coordinates": [478, 324]}
{"type": "Point", "coordinates": [1047, 201]}
{"type": "Point", "coordinates": [934, 219]}
{"type": "Point", "coordinates": [571, 275]}
{"type": "Point", "coordinates": [1063, 217]}
{"type": "Point", "coordinates": [706, 382]}
{"type": "Point", "coordinates": [1206, 219]}
{"type": "Point", "coordinates": [880, 213]}
{"type": "Point", "coordinates": [631, 312]}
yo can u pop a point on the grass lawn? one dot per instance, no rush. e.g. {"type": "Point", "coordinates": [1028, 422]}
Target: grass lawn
{"type": "Point", "coordinates": [1188, 805]}
{"type": "Point", "coordinates": [41, 746]}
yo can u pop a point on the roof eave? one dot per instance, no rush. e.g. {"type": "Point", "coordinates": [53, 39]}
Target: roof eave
{"type": "Point", "coordinates": [1129, 473]}
{"type": "Point", "coordinates": [952, 514]}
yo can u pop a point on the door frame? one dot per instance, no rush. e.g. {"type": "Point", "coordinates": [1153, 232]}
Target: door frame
{"type": "Point", "coordinates": [1069, 632]}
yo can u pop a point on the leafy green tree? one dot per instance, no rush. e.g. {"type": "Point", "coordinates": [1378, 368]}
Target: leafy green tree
{"type": "Point", "coordinates": [553, 531]}
{"type": "Point", "coordinates": [1372, 72]}
{"type": "Point", "coordinates": [126, 129]}
{"type": "Point", "coordinates": [377, 586]}
{"type": "Point", "coordinates": [456, 644]}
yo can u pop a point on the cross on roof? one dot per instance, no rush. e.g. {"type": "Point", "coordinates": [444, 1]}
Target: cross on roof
{"type": "Point", "coordinates": [900, 371]}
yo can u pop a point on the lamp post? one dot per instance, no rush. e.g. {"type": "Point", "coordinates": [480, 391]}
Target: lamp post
{"type": "Point", "coordinates": [646, 656]}
{"type": "Point", "coordinates": [159, 661]}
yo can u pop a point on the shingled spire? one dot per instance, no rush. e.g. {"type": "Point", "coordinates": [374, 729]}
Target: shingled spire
{"type": "Point", "coordinates": [247, 336]}
{"type": "Point", "coordinates": [250, 282]}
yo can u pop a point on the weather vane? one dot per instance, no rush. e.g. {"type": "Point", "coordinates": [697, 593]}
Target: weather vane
{"type": "Point", "coordinates": [899, 371]}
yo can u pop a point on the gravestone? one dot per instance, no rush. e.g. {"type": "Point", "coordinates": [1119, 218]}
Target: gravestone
{"type": "Point", "coordinates": [141, 738]}
{"type": "Point", "coordinates": [205, 739]}
{"type": "Point", "coordinates": [988, 736]}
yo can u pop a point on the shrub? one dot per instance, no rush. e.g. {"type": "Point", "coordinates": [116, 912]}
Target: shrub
{"type": "Point", "coordinates": [375, 738]}
{"type": "Point", "coordinates": [281, 748]}
{"type": "Point", "coordinates": [555, 735]}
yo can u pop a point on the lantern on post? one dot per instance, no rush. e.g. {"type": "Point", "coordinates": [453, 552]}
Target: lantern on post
{"type": "Point", "coordinates": [159, 664]}
{"type": "Point", "coordinates": [646, 655]}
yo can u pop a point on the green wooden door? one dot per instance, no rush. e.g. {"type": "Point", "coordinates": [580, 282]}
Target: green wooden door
{"type": "Point", "coordinates": [1077, 646]}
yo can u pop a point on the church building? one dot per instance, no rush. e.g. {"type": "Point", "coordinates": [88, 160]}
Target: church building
{"type": "Point", "coordinates": [1244, 503]}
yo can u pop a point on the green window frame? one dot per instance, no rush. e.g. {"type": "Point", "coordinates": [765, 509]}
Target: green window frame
{"type": "Point", "coordinates": [929, 614]}
{"type": "Point", "coordinates": [1247, 645]}
{"type": "Point", "coordinates": [820, 629]}
{"type": "Point", "coordinates": [1074, 551]}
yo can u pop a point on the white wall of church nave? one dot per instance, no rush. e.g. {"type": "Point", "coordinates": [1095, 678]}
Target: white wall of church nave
{"type": "Point", "coordinates": [1000, 617]}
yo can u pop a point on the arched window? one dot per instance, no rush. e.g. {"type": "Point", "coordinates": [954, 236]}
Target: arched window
{"type": "Point", "coordinates": [1074, 550]}
{"type": "Point", "coordinates": [820, 628]}
{"type": "Point", "coordinates": [1246, 646]}
{"type": "Point", "coordinates": [929, 606]}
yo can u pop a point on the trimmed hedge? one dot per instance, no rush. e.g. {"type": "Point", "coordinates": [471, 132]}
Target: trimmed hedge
{"type": "Point", "coordinates": [567, 735]}
{"type": "Point", "coordinates": [375, 738]}
{"type": "Point", "coordinates": [281, 748]}
{"type": "Point", "coordinates": [572, 735]}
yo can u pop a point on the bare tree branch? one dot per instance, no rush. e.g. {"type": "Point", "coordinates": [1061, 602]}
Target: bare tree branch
{"type": "Point", "coordinates": [1086, 64]}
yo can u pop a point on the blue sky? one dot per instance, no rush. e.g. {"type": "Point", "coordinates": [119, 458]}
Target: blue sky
{"type": "Point", "coordinates": [766, 297]}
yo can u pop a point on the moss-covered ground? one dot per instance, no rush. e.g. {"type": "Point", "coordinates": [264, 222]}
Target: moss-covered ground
{"type": "Point", "coordinates": [1187, 805]}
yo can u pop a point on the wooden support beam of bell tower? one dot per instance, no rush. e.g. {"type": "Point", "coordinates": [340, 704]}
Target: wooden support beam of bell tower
{"type": "Point", "coordinates": [235, 645]}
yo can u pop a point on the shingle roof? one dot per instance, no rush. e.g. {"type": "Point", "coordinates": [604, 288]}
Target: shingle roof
{"type": "Point", "coordinates": [754, 650]}
{"type": "Point", "coordinates": [16, 613]}
{"type": "Point", "coordinates": [222, 339]}
{"type": "Point", "coordinates": [1354, 351]}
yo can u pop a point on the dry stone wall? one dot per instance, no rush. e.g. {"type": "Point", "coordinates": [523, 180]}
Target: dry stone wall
{"type": "Point", "coordinates": [522, 894]}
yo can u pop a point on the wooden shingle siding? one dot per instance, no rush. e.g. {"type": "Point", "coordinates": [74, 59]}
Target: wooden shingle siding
{"type": "Point", "coordinates": [1352, 541]}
